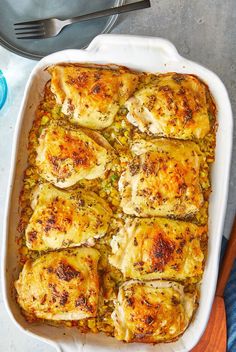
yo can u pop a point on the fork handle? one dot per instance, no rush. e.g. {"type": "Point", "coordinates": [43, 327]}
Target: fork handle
{"type": "Point", "coordinates": [108, 12]}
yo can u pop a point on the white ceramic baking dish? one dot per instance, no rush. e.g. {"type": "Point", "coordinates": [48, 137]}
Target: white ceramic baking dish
{"type": "Point", "coordinates": [140, 53]}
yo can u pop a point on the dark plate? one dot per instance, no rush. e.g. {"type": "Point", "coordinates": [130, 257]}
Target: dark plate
{"type": "Point", "coordinates": [75, 36]}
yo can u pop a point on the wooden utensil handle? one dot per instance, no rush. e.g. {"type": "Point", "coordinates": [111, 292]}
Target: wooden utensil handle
{"type": "Point", "coordinates": [228, 261]}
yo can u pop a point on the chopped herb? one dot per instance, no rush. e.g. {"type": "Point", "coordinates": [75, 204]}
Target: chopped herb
{"type": "Point", "coordinates": [114, 178]}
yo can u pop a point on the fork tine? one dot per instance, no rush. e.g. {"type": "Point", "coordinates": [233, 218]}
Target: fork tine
{"type": "Point", "coordinates": [32, 37]}
{"type": "Point", "coordinates": [31, 33]}
{"type": "Point", "coordinates": [37, 22]}
{"type": "Point", "coordinates": [28, 28]}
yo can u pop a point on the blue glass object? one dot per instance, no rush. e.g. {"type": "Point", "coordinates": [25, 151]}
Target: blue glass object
{"type": "Point", "coordinates": [3, 90]}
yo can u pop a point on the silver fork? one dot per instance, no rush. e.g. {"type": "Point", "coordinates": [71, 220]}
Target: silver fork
{"type": "Point", "coordinates": [51, 27]}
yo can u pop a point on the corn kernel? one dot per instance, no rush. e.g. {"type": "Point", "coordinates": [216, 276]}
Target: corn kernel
{"type": "Point", "coordinates": [102, 194]}
{"type": "Point", "coordinates": [44, 120]}
{"type": "Point", "coordinates": [115, 202]}
{"type": "Point", "coordinates": [28, 172]}
{"type": "Point", "coordinates": [23, 250]}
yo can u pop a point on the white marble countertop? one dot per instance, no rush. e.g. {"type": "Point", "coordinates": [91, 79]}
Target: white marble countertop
{"type": "Point", "coordinates": [202, 31]}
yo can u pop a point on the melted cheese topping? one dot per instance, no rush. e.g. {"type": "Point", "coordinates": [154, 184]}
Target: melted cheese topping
{"type": "Point", "coordinates": [144, 176]}
{"type": "Point", "coordinates": [152, 311]}
{"type": "Point", "coordinates": [162, 179]}
{"type": "Point", "coordinates": [173, 105]}
{"type": "Point", "coordinates": [91, 96]}
{"type": "Point", "coordinates": [159, 248]}
{"type": "Point", "coordinates": [60, 285]}
{"type": "Point", "coordinates": [66, 155]}
{"type": "Point", "coordinates": [65, 219]}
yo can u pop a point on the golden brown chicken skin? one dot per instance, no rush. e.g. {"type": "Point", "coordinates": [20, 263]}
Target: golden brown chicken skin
{"type": "Point", "coordinates": [152, 311]}
{"type": "Point", "coordinates": [91, 96]}
{"type": "Point", "coordinates": [63, 219]}
{"type": "Point", "coordinates": [66, 154]}
{"type": "Point", "coordinates": [60, 285]}
{"type": "Point", "coordinates": [163, 179]}
{"type": "Point", "coordinates": [171, 105]}
{"type": "Point", "coordinates": [159, 248]}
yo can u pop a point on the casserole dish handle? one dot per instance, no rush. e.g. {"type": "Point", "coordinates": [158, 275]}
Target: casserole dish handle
{"type": "Point", "coordinates": [106, 44]}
